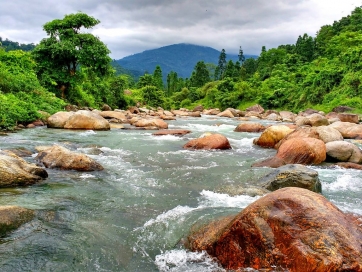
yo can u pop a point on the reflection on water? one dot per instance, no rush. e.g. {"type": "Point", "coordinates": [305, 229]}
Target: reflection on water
{"type": "Point", "coordinates": [134, 215]}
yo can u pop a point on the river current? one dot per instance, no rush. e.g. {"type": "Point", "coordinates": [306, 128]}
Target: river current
{"type": "Point", "coordinates": [134, 215]}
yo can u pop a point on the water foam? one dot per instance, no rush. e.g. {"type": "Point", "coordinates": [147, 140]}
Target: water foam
{"type": "Point", "coordinates": [212, 199]}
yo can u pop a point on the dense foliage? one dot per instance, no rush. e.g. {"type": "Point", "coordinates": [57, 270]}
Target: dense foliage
{"type": "Point", "coordinates": [10, 45]}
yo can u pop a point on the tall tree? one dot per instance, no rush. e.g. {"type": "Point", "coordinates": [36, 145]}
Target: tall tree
{"type": "Point", "coordinates": [221, 66]}
{"type": "Point", "coordinates": [241, 55]}
{"type": "Point", "coordinates": [67, 49]}
{"type": "Point", "coordinates": [305, 47]}
{"type": "Point", "coordinates": [200, 75]}
{"type": "Point", "coordinates": [157, 77]}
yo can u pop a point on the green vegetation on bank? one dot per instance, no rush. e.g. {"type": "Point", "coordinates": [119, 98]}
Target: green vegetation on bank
{"type": "Point", "coordinates": [74, 67]}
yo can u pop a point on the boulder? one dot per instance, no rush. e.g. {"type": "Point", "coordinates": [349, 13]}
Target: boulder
{"type": "Point", "coordinates": [299, 132]}
{"type": "Point", "coordinates": [250, 127]}
{"type": "Point", "coordinates": [199, 108]}
{"type": "Point", "coordinates": [307, 112]}
{"type": "Point", "coordinates": [348, 117]}
{"type": "Point", "coordinates": [302, 121]}
{"type": "Point", "coordinates": [256, 108]}
{"type": "Point", "coordinates": [317, 119]}
{"type": "Point", "coordinates": [343, 151]}
{"type": "Point", "coordinates": [177, 132]}
{"type": "Point", "coordinates": [347, 129]}
{"type": "Point", "coordinates": [272, 162]}
{"type": "Point", "coordinates": [287, 116]}
{"type": "Point", "coordinates": [212, 112]}
{"type": "Point", "coordinates": [209, 141]}
{"type": "Point", "coordinates": [350, 165]}
{"type": "Point", "coordinates": [12, 217]}
{"type": "Point", "coordinates": [273, 117]}
{"type": "Point", "coordinates": [113, 115]}
{"type": "Point", "coordinates": [226, 113]}
{"type": "Point", "coordinates": [151, 123]}
{"type": "Point", "coordinates": [106, 107]}
{"type": "Point", "coordinates": [302, 151]}
{"type": "Point", "coordinates": [328, 134]}
{"type": "Point", "coordinates": [291, 229]}
{"type": "Point", "coordinates": [64, 159]}
{"type": "Point", "coordinates": [180, 113]}
{"type": "Point", "coordinates": [15, 171]}
{"type": "Point", "coordinates": [292, 175]}
{"type": "Point", "coordinates": [272, 135]}
{"type": "Point", "coordinates": [342, 109]}
{"type": "Point", "coordinates": [235, 190]}
{"type": "Point", "coordinates": [58, 120]}
{"type": "Point", "coordinates": [84, 119]}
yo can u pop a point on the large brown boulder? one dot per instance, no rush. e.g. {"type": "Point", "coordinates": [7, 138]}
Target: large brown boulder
{"type": "Point", "coordinates": [64, 159]}
{"type": "Point", "coordinates": [12, 217]}
{"type": "Point", "coordinates": [303, 151]}
{"type": "Point", "coordinates": [348, 117]}
{"type": "Point", "coordinates": [317, 119]}
{"type": "Point", "coordinates": [272, 135]}
{"type": "Point", "coordinates": [299, 132]}
{"type": "Point", "coordinates": [343, 151]}
{"type": "Point", "coordinates": [249, 127]}
{"type": "Point", "coordinates": [210, 141]}
{"type": "Point", "coordinates": [256, 108]}
{"type": "Point", "coordinates": [290, 229]}
{"type": "Point", "coordinates": [226, 113]}
{"type": "Point", "coordinates": [58, 120]}
{"type": "Point", "coordinates": [84, 119]}
{"type": "Point", "coordinates": [348, 130]}
{"type": "Point", "coordinates": [15, 171]}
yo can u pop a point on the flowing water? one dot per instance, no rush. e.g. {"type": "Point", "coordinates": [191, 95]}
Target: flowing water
{"type": "Point", "coordinates": [134, 215]}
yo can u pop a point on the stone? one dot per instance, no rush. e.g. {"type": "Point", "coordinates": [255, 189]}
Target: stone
{"type": "Point", "coordinates": [235, 190]}
{"type": "Point", "coordinates": [292, 175]}
{"type": "Point", "coordinates": [212, 112]}
{"type": "Point", "coordinates": [291, 229]}
{"type": "Point", "coordinates": [64, 159]}
{"type": "Point", "coordinates": [302, 151]}
{"type": "Point", "coordinates": [299, 132]}
{"type": "Point", "coordinates": [273, 117]}
{"type": "Point", "coordinates": [302, 121]}
{"type": "Point", "coordinates": [106, 107]}
{"type": "Point", "coordinates": [342, 109]}
{"type": "Point", "coordinates": [58, 120]}
{"type": "Point", "coordinates": [347, 129]}
{"type": "Point", "coordinates": [15, 171]}
{"type": "Point", "coordinates": [12, 217]}
{"type": "Point", "coordinates": [272, 135]}
{"type": "Point", "coordinates": [249, 127]}
{"type": "Point", "coordinates": [256, 108]}
{"type": "Point", "coordinates": [349, 165]}
{"type": "Point", "coordinates": [328, 134]}
{"type": "Point", "coordinates": [272, 162]}
{"type": "Point", "coordinates": [287, 115]}
{"type": "Point", "coordinates": [343, 151]}
{"type": "Point", "coordinates": [177, 132]}
{"type": "Point", "coordinates": [209, 141]}
{"type": "Point", "coordinates": [155, 123]}
{"type": "Point", "coordinates": [113, 114]}
{"type": "Point", "coordinates": [317, 119]}
{"type": "Point", "coordinates": [89, 120]}
{"type": "Point", "coordinates": [226, 113]}
{"type": "Point", "coordinates": [134, 110]}
{"type": "Point", "coordinates": [199, 108]}
{"type": "Point", "coordinates": [348, 117]}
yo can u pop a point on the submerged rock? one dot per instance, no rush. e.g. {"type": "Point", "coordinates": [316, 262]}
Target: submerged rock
{"type": "Point", "coordinates": [211, 141]}
{"type": "Point", "coordinates": [12, 217]}
{"type": "Point", "coordinates": [291, 228]}
{"type": "Point", "coordinates": [15, 171]}
{"type": "Point", "coordinates": [60, 157]}
{"type": "Point", "coordinates": [292, 175]}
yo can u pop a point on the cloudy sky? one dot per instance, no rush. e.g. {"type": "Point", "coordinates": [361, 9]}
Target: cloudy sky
{"type": "Point", "coordinates": [132, 26]}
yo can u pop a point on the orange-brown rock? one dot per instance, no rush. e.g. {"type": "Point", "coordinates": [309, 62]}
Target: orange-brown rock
{"type": "Point", "coordinates": [290, 229]}
{"type": "Point", "coordinates": [272, 162]}
{"type": "Point", "coordinates": [272, 135]}
{"type": "Point", "coordinates": [256, 108]}
{"type": "Point", "coordinates": [62, 158]}
{"type": "Point", "coordinates": [113, 114]}
{"type": "Point", "coordinates": [226, 113]}
{"type": "Point", "coordinates": [250, 127]}
{"type": "Point", "coordinates": [210, 141]}
{"type": "Point", "coordinates": [84, 119]}
{"type": "Point", "coordinates": [303, 151]}
{"type": "Point", "coordinates": [299, 132]}
{"type": "Point", "coordinates": [350, 165]}
{"type": "Point", "coordinates": [58, 120]}
{"type": "Point", "coordinates": [212, 112]}
{"type": "Point", "coordinates": [178, 132]}
{"type": "Point", "coordinates": [348, 117]}
{"type": "Point", "coordinates": [154, 123]}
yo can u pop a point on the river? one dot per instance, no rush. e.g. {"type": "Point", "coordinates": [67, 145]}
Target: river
{"type": "Point", "coordinates": [134, 215]}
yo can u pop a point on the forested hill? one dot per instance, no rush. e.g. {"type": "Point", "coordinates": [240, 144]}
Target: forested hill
{"type": "Point", "coordinates": [180, 58]}
{"type": "Point", "coordinates": [10, 45]}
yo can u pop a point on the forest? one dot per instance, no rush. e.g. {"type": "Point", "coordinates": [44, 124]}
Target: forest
{"type": "Point", "coordinates": [71, 66]}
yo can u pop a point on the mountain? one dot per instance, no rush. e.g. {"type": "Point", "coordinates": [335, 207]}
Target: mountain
{"type": "Point", "coordinates": [180, 58]}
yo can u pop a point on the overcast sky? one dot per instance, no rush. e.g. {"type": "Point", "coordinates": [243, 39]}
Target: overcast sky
{"type": "Point", "coordinates": [132, 26]}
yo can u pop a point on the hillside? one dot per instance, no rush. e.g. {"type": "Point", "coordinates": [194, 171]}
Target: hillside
{"type": "Point", "coordinates": [180, 58]}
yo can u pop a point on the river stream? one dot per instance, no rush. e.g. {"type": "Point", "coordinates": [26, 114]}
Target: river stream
{"type": "Point", "coordinates": [135, 215]}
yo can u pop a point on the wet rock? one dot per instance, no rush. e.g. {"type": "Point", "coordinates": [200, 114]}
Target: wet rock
{"type": "Point", "coordinates": [83, 119]}
{"type": "Point", "coordinates": [350, 165]}
{"type": "Point", "coordinates": [273, 162]}
{"type": "Point", "coordinates": [302, 151]}
{"type": "Point", "coordinates": [177, 132]}
{"type": "Point", "coordinates": [148, 123]}
{"type": "Point", "coordinates": [250, 127]}
{"type": "Point", "coordinates": [299, 132]}
{"type": "Point", "coordinates": [12, 217]}
{"type": "Point", "coordinates": [212, 141]}
{"type": "Point", "coordinates": [292, 175]}
{"type": "Point", "coordinates": [328, 134]}
{"type": "Point", "coordinates": [343, 151]}
{"type": "Point", "coordinates": [291, 229]}
{"type": "Point", "coordinates": [64, 159]}
{"type": "Point", "coordinates": [20, 152]}
{"type": "Point", "coordinates": [15, 171]}
{"type": "Point", "coordinates": [272, 135]}
{"type": "Point", "coordinates": [59, 119]}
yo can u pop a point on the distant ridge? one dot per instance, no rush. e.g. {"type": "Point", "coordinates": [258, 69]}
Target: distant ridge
{"type": "Point", "coordinates": [180, 58]}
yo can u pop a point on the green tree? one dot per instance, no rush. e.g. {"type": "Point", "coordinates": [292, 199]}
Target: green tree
{"type": "Point", "coordinates": [241, 55]}
{"type": "Point", "coordinates": [305, 47]}
{"type": "Point", "coordinates": [200, 75]}
{"type": "Point", "coordinates": [221, 66]}
{"type": "Point", "coordinates": [145, 80]}
{"type": "Point", "coordinates": [67, 49]}
{"type": "Point", "coordinates": [157, 78]}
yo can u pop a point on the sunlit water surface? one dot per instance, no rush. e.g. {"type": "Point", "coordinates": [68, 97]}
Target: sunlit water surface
{"type": "Point", "coordinates": [133, 215]}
